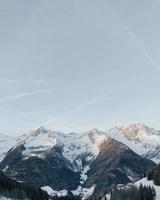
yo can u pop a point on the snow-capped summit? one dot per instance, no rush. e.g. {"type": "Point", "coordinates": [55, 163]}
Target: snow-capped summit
{"type": "Point", "coordinates": [37, 141]}
{"type": "Point", "coordinates": [143, 140]}
{"type": "Point", "coordinates": [40, 131]}
{"type": "Point", "coordinates": [96, 136]}
{"type": "Point", "coordinates": [76, 161]}
{"type": "Point", "coordinates": [72, 162]}
{"type": "Point", "coordinates": [136, 130]}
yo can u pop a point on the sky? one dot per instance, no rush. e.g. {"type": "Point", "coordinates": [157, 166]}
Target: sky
{"type": "Point", "coordinates": [73, 65]}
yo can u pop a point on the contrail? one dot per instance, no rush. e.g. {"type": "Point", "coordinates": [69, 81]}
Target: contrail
{"type": "Point", "coordinates": [25, 94]}
{"type": "Point", "coordinates": [143, 49]}
{"type": "Point", "coordinates": [136, 39]}
{"type": "Point", "coordinates": [32, 114]}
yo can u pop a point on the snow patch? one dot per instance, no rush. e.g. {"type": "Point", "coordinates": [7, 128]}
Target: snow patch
{"type": "Point", "coordinates": [84, 192]}
{"type": "Point", "coordinates": [78, 191]}
{"type": "Point", "coordinates": [51, 192]}
{"type": "Point", "coordinates": [5, 169]}
{"type": "Point", "coordinates": [87, 192]}
{"type": "Point", "coordinates": [84, 174]}
{"type": "Point", "coordinates": [37, 142]}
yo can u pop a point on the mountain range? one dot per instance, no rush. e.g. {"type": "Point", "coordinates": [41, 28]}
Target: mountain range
{"type": "Point", "coordinates": [84, 163]}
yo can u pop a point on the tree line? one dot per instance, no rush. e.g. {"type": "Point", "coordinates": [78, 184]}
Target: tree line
{"type": "Point", "coordinates": [15, 190]}
{"type": "Point", "coordinates": [134, 193]}
{"type": "Point", "coordinates": [154, 174]}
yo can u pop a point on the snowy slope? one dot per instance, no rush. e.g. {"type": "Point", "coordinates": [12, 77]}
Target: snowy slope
{"type": "Point", "coordinates": [52, 192]}
{"type": "Point", "coordinates": [79, 148]}
{"type": "Point", "coordinates": [143, 140]}
{"type": "Point", "coordinates": [6, 143]}
{"type": "Point", "coordinates": [38, 141]}
{"type": "Point", "coordinates": [84, 144]}
{"type": "Point", "coordinates": [144, 182]}
{"type": "Point", "coordinates": [74, 145]}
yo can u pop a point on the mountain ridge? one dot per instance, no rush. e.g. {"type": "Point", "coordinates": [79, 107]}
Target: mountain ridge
{"type": "Point", "coordinates": [68, 160]}
{"type": "Point", "coordinates": [71, 160]}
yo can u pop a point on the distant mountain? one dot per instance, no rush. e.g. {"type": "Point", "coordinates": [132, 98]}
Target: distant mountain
{"type": "Point", "coordinates": [80, 163]}
{"type": "Point", "coordinates": [143, 140]}
{"type": "Point", "coordinates": [43, 157]}
{"type": "Point", "coordinates": [38, 160]}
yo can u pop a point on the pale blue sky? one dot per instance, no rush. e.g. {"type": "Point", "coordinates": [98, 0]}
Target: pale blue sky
{"type": "Point", "coordinates": [74, 65]}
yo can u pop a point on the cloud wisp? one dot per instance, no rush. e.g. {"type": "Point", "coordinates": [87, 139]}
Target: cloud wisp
{"type": "Point", "coordinates": [24, 94]}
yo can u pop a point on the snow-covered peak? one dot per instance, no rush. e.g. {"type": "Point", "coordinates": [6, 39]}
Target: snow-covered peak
{"type": "Point", "coordinates": [37, 132]}
{"type": "Point", "coordinates": [84, 143]}
{"type": "Point", "coordinates": [74, 145]}
{"type": "Point", "coordinates": [140, 138]}
{"type": "Point", "coordinates": [136, 130]}
{"type": "Point", "coordinates": [39, 140]}
{"type": "Point", "coordinates": [95, 130]}
{"type": "Point", "coordinates": [143, 140]}
{"type": "Point", "coordinates": [96, 136]}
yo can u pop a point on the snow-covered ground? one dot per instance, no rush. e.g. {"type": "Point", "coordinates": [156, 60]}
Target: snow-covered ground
{"type": "Point", "coordinates": [5, 198]}
{"type": "Point", "coordinates": [144, 181]}
{"type": "Point", "coordinates": [87, 192]}
{"type": "Point", "coordinates": [84, 192]}
{"type": "Point", "coordinates": [52, 192]}
{"type": "Point", "coordinates": [81, 143]}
